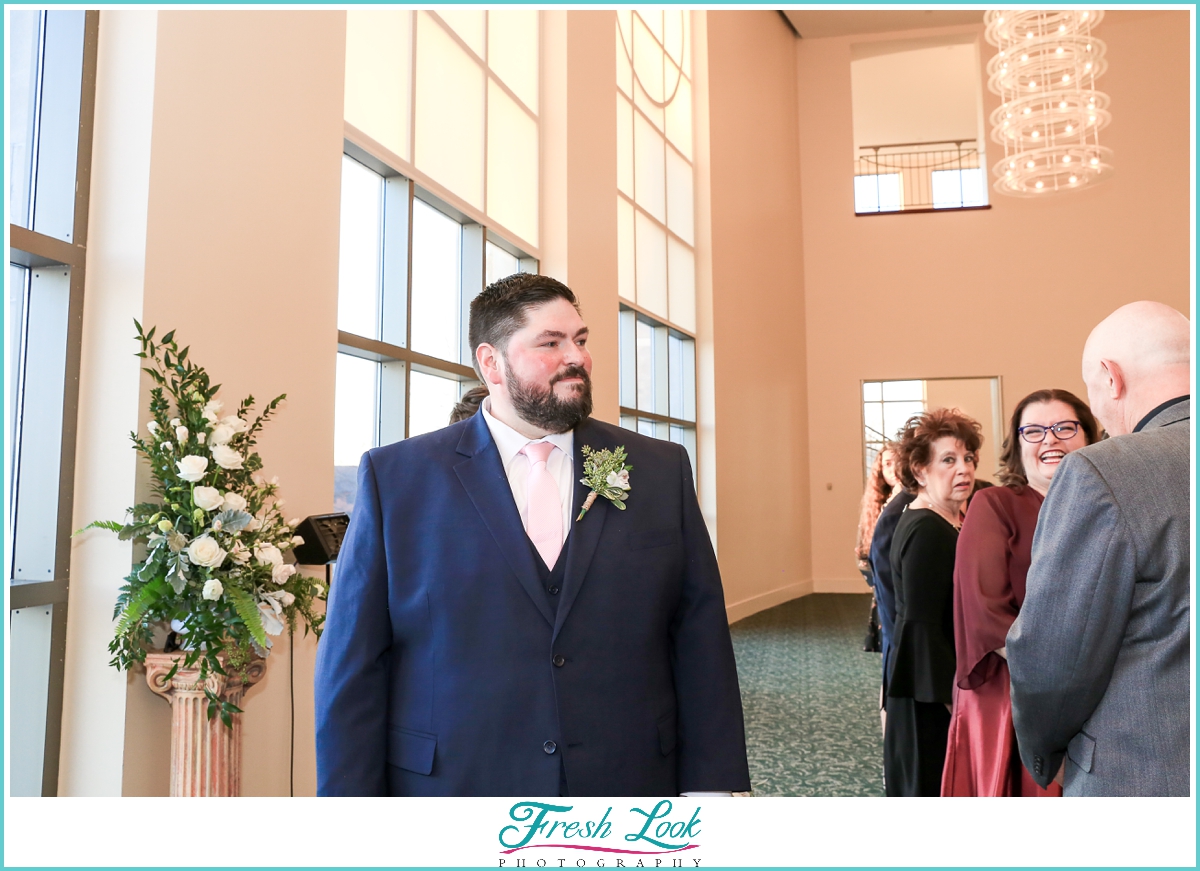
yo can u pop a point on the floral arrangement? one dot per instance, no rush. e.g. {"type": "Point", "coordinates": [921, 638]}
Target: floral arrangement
{"type": "Point", "coordinates": [606, 473]}
{"type": "Point", "coordinates": [214, 537]}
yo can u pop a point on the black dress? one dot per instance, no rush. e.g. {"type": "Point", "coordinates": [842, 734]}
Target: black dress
{"type": "Point", "coordinates": [921, 660]}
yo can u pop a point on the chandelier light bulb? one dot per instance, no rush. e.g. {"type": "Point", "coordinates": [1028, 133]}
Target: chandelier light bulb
{"type": "Point", "coordinates": [1024, 58]}
{"type": "Point", "coordinates": [1062, 104]}
{"type": "Point", "coordinates": [1069, 128]}
{"type": "Point", "coordinates": [1066, 78]}
{"type": "Point", "coordinates": [1038, 185]}
{"type": "Point", "coordinates": [1030, 165]}
{"type": "Point", "coordinates": [1027, 110]}
{"type": "Point", "coordinates": [1062, 28]}
{"type": "Point", "coordinates": [1074, 179]}
{"type": "Point", "coordinates": [1067, 158]}
{"type": "Point", "coordinates": [1095, 161]}
{"type": "Point", "coordinates": [1087, 66]}
{"type": "Point", "coordinates": [1058, 50]}
{"type": "Point", "coordinates": [1035, 134]}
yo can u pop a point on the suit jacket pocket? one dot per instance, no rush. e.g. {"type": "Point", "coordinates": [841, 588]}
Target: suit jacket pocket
{"type": "Point", "coordinates": [1081, 750]}
{"type": "Point", "coordinates": [666, 733]}
{"type": "Point", "coordinates": [411, 750]}
{"type": "Point", "coordinates": [648, 538]}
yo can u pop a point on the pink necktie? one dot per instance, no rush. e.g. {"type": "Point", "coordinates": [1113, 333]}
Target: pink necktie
{"type": "Point", "coordinates": [543, 512]}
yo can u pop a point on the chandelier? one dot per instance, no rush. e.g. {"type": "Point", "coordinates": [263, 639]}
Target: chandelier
{"type": "Point", "coordinates": [1051, 114]}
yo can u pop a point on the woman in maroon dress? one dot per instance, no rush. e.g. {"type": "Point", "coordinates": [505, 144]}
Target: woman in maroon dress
{"type": "Point", "coordinates": [991, 562]}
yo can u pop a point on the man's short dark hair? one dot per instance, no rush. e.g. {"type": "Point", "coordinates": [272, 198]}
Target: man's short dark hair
{"type": "Point", "coordinates": [503, 308]}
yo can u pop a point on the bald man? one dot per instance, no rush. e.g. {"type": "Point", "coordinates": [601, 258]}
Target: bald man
{"type": "Point", "coordinates": [1099, 656]}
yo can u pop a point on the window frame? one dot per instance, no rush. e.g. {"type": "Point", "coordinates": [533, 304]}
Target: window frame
{"type": "Point", "coordinates": [628, 370]}
{"type": "Point", "coordinates": [35, 250]}
{"type": "Point", "coordinates": [396, 288]}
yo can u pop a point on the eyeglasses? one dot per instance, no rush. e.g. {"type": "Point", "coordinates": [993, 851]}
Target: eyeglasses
{"type": "Point", "coordinates": [1036, 434]}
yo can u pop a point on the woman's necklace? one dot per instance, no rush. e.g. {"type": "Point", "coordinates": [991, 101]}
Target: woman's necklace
{"type": "Point", "coordinates": [923, 501]}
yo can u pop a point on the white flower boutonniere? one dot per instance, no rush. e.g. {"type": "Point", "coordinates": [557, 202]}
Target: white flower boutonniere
{"type": "Point", "coordinates": [607, 474]}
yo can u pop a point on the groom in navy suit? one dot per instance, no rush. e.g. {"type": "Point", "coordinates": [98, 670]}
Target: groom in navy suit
{"type": "Point", "coordinates": [482, 639]}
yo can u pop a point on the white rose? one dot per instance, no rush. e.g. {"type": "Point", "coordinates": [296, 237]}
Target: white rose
{"type": "Point", "coordinates": [222, 433]}
{"type": "Point", "coordinates": [281, 573]}
{"type": "Point", "coordinates": [254, 525]}
{"type": "Point", "coordinates": [192, 468]}
{"type": "Point", "coordinates": [297, 540]}
{"type": "Point", "coordinates": [166, 446]}
{"type": "Point", "coordinates": [212, 589]}
{"type": "Point", "coordinates": [181, 433]}
{"type": "Point", "coordinates": [175, 422]}
{"type": "Point", "coordinates": [226, 457]}
{"type": "Point", "coordinates": [240, 554]}
{"type": "Point", "coordinates": [235, 423]}
{"type": "Point", "coordinates": [268, 554]}
{"type": "Point", "coordinates": [208, 498]}
{"type": "Point", "coordinates": [205, 551]}
{"type": "Point", "coordinates": [234, 502]}
{"type": "Point", "coordinates": [620, 479]}
{"type": "Point", "coordinates": [152, 426]}
{"type": "Point", "coordinates": [212, 410]}
{"type": "Point", "coordinates": [201, 436]}
{"type": "Point", "coordinates": [293, 523]}
{"type": "Point", "coordinates": [269, 613]}
{"type": "Point", "coordinates": [278, 502]}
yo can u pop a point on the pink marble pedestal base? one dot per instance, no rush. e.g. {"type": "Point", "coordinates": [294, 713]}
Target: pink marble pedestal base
{"type": "Point", "coordinates": [206, 755]}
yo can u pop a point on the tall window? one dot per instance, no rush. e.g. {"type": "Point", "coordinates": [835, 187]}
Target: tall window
{"type": "Point", "coordinates": [51, 75]}
{"type": "Point", "coordinates": [658, 380]}
{"type": "Point", "coordinates": [656, 224]}
{"type": "Point", "coordinates": [439, 199]}
{"type": "Point", "coordinates": [409, 267]}
{"type": "Point", "coordinates": [453, 95]}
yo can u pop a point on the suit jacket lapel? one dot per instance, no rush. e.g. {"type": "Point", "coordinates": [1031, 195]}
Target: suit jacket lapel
{"type": "Point", "coordinates": [482, 474]}
{"type": "Point", "coordinates": [585, 534]}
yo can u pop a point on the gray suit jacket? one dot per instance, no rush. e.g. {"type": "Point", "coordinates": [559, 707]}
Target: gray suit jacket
{"type": "Point", "coordinates": [1099, 655]}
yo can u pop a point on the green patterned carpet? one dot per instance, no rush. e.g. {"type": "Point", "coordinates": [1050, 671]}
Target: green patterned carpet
{"type": "Point", "coordinates": [810, 695]}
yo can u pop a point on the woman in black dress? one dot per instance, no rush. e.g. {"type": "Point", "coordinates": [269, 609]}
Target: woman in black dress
{"type": "Point", "coordinates": [935, 459]}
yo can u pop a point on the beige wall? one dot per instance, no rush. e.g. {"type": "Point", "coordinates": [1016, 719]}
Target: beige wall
{"type": "Point", "coordinates": [759, 292]}
{"type": "Point", "coordinates": [1012, 291]}
{"type": "Point", "coordinates": [241, 258]}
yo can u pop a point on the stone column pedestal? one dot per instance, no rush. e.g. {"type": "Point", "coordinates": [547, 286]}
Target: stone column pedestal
{"type": "Point", "coordinates": [206, 755]}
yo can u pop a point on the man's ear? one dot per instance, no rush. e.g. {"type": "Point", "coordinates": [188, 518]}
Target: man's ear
{"type": "Point", "coordinates": [1115, 377]}
{"type": "Point", "coordinates": [489, 360]}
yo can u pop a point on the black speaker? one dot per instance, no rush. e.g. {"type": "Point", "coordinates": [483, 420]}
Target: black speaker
{"type": "Point", "coordinates": [322, 534]}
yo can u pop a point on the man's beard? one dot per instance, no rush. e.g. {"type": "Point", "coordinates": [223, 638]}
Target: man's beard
{"type": "Point", "coordinates": [543, 408]}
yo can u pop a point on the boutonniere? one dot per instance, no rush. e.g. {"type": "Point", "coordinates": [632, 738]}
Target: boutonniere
{"type": "Point", "coordinates": [607, 474]}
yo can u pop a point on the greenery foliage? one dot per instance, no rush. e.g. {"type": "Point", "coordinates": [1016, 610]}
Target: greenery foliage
{"type": "Point", "coordinates": [214, 536]}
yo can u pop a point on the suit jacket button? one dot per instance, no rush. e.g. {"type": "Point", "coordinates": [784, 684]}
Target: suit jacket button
{"type": "Point", "coordinates": [549, 747]}
{"type": "Point", "coordinates": [559, 660]}
{"type": "Point", "coordinates": [553, 591]}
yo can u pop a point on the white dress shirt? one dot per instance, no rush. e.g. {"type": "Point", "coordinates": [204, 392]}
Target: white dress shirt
{"type": "Point", "coordinates": [560, 464]}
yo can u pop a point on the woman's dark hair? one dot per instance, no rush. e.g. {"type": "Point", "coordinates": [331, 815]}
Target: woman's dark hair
{"type": "Point", "coordinates": [874, 498]}
{"type": "Point", "coordinates": [916, 440]}
{"type": "Point", "coordinates": [501, 309]}
{"type": "Point", "coordinates": [1012, 471]}
{"type": "Point", "coordinates": [469, 404]}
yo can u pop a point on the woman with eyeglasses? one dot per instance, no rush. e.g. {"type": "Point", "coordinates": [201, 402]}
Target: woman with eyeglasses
{"type": "Point", "coordinates": [993, 555]}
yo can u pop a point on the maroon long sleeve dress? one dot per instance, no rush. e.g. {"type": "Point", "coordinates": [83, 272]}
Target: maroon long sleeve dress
{"type": "Point", "coordinates": [992, 560]}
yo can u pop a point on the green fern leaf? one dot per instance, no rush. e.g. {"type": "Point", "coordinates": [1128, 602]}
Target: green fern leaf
{"type": "Point", "coordinates": [243, 603]}
{"type": "Point", "coordinates": [139, 604]}
{"type": "Point", "coordinates": [110, 525]}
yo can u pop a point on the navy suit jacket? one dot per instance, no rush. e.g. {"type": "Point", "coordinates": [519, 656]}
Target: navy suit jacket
{"type": "Point", "coordinates": [446, 667]}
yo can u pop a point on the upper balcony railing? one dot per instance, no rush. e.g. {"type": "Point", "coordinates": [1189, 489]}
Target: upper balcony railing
{"type": "Point", "coordinates": [920, 177]}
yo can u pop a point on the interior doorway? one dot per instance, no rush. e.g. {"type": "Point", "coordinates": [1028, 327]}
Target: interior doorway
{"type": "Point", "coordinates": [888, 404]}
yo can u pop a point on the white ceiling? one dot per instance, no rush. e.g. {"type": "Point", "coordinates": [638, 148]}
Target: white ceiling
{"type": "Point", "coordinates": [818, 23]}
